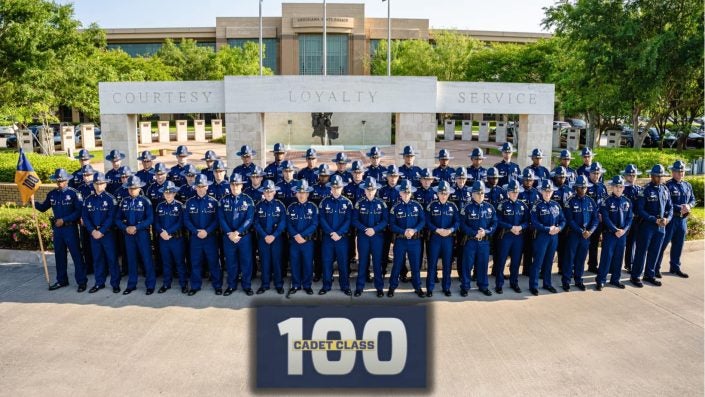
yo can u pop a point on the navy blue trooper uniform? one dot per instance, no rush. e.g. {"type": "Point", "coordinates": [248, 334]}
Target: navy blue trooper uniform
{"type": "Point", "coordinates": [597, 192]}
{"type": "Point", "coordinates": [476, 253]}
{"type": "Point", "coordinates": [201, 213]}
{"type": "Point", "coordinates": [335, 215]}
{"type": "Point", "coordinates": [581, 215]}
{"type": "Point", "coordinates": [403, 216]}
{"type": "Point", "coordinates": [86, 189]}
{"type": "Point", "coordinates": [209, 173]}
{"type": "Point", "coordinates": [681, 193]}
{"type": "Point", "coordinates": [561, 195]}
{"type": "Point", "coordinates": [236, 214]}
{"type": "Point", "coordinates": [353, 192]}
{"type": "Point", "coordinates": [540, 172]}
{"type": "Point", "coordinates": [346, 175]}
{"type": "Point", "coordinates": [443, 174]}
{"type": "Point", "coordinates": [507, 170]}
{"type": "Point", "coordinates": [185, 192]}
{"type": "Point", "coordinates": [570, 175]}
{"type": "Point", "coordinates": [273, 172]}
{"type": "Point", "coordinates": [370, 214]}
{"type": "Point", "coordinates": [153, 193]}
{"type": "Point", "coordinates": [66, 204]}
{"type": "Point", "coordinates": [441, 216]}
{"type": "Point", "coordinates": [529, 197]}
{"type": "Point", "coordinates": [411, 173]}
{"type": "Point", "coordinates": [653, 202]}
{"type": "Point", "coordinates": [424, 197]}
{"type": "Point", "coordinates": [495, 195]}
{"type": "Point", "coordinates": [320, 192]}
{"type": "Point", "coordinates": [460, 197]}
{"type": "Point", "coordinates": [218, 190]}
{"type": "Point", "coordinates": [287, 197]}
{"type": "Point", "coordinates": [77, 179]}
{"type": "Point", "coordinates": [302, 219]}
{"type": "Point", "coordinates": [114, 181]}
{"type": "Point", "coordinates": [510, 214]}
{"type": "Point", "coordinates": [631, 192]}
{"type": "Point", "coordinates": [155, 196]}
{"type": "Point", "coordinates": [169, 217]}
{"type": "Point", "coordinates": [585, 170]}
{"type": "Point", "coordinates": [176, 174]}
{"type": "Point", "coordinates": [477, 174]}
{"type": "Point", "coordinates": [99, 214]}
{"type": "Point", "coordinates": [245, 171]}
{"type": "Point", "coordinates": [543, 216]}
{"type": "Point", "coordinates": [310, 174]}
{"type": "Point", "coordinates": [137, 212]}
{"type": "Point", "coordinates": [390, 196]}
{"type": "Point", "coordinates": [146, 175]}
{"type": "Point", "coordinates": [376, 172]}
{"type": "Point", "coordinates": [254, 193]}
{"type": "Point", "coordinates": [270, 219]}
{"type": "Point", "coordinates": [617, 213]}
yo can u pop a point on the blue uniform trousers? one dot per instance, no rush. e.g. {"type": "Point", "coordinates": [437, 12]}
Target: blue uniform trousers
{"type": "Point", "coordinates": [476, 254]}
{"type": "Point", "coordinates": [86, 250]}
{"type": "Point", "coordinates": [544, 248]}
{"type": "Point", "coordinates": [576, 252]}
{"type": "Point", "coordinates": [611, 257]}
{"type": "Point", "coordinates": [402, 248]}
{"type": "Point", "coordinates": [103, 251]}
{"type": "Point", "coordinates": [204, 250]}
{"type": "Point", "coordinates": [367, 246]}
{"type": "Point", "coordinates": [301, 263]}
{"type": "Point", "coordinates": [648, 248]}
{"type": "Point", "coordinates": [171, 253]}
{"type": "Point", "coordinates": [270, 254]}
{"type": "Point", "coordinates": [630, 247]}
{"type": "Point", "coordinates": [675, 234]}
{"type": "Point", "coordinates": [439, 248]}
{"type": "Point", "coordinates": [337, 250]}
{"type": "Point", "coordinates": [238, 259]}
{"type": "Point", "coordinates": [66, 237]}
{"type": "Point", "coordinates": [138, 247]}
{"type": "Point", "coordinates": [510, 245]}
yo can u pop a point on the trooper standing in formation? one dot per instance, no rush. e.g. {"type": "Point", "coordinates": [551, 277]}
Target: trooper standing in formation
{"type": "Point", "coordinates": [134, 217]}
{"type": "Point", "coordinates": [581, 218]}
{"type": "Point", "coordinates": [478, 222]}
{"type": "Point", "coordinates": [370, 219]}
{"type": "Point", "coordinates": [631, 191]}
{"type": "Point", "coordinates": [443, 221]}
{"type": "Point", "coordinates": [507, 169]}
{"type": "Point", "coordinates": [270, 225]}
{"type": "Point", "coordinates": [406, 221]}
{"type": "Point", "coordinates": [168, 225]}
{"type": "Point", "coordinates": [547, 221]}
{"type": "Point", "coordinates": [335, 220]}
{"type": "Point", "coordinates": [236, 213]}
{"type": "Point", "coordinates": [302, 222]}
{"type": "Point", "coordinates": [512, 223]}
{"type": "Point", "coordinates": [617, 216]}
{"type": "Point", "coordinates": [200, 219]}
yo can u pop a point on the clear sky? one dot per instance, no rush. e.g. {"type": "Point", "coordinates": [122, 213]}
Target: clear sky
{"type": "Point", "coordinates": [503, 15]}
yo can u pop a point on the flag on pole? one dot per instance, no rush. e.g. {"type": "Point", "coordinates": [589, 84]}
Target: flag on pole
{"type": "Point", "coordinates": [26, 179]}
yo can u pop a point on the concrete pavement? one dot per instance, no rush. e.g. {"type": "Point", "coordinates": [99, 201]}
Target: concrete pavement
{"type": "Point", "coordinates": [616, 342]}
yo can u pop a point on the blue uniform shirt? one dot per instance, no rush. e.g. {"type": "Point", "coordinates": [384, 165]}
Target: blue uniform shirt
{"type": "Point", "coordinates": [496, 195]}
{"type": "Point", "coordinates": [353, 192]}
{"type": "Point", "coordinates": [512, 213]}
{"type": "Point", "coordinates": [540, 172]}
{"type": "Point", "coordinates": [478, 216]}
{"type": "Point", "coordinates": [477, 174]}
{"type": "Point", "coordinates": [562, 195]}
{"type": "Point", "coordinates": [201, 213]}
{"type": "Point", "coordinates": [154, 195]}
{"type": "Point", "coordinates": [285, 194]}
{"type": "Point", "coordinates": [507, 171]}
{"type": "Point", "coordinates": [99, 212]}
{"type": "Point", "coordinates": [114, 182]}
{"type": "Point", "coordinates": [273, 172]}
{"type": "Point", "coordinates": [654, 202]}
{"type": "Point", "coordinates": [309, 174]}
{"type": "Point", "coordinates": [461, 196]}
{"type": "Point", "coordinates": [425, 196]}
{"type": "Point", "coordinates": [175, 176]}
{"type": "Point", "coordinates": [66, 204]}
{"type": "Point", "coordinates": [302, 218]}
{"type": "Point", "coordinates": [370, 214]}
{"type": "Point", "coordinates": [681, 193]}
{"type": "Point", "coordinates": [320, 191]}
{"type": "Point", "coordinates": [169, 217]}
{"type": "Point", "coordinates": [335, 215]}
{"type": "Point", "coordinates": [404, 216]}
{"type": "Point", "coordinates": [236, 213]}
{"type": "Point", "coordinates": [442, 216]}
{"type": "Point", "coordinates": [585, 170]}
{"type": "Point", "coordinates": [530, 197]}
{"type": "Point", "coordinates": [411, 173]}
{"type": "Point", "coordinates": [245, 171]}
{"type": "Point", "coordinates": [597, 192]}
{"type": "Point", "coordinates": [270, 218]}
{"type": "Point", "coordinates": [389, 194]}
{"type": "Point", "coordinates": [570, 176]}
{"type": "Point", "coordinates": [546, 214]}
{"type": "Point", "coordinates": [209, 173]}
{"type": "Point", "coordinates": [617, 213]}
{"type": "Point", "coordinates": [376, 172]}
{"type": "Point", "coordinates": [581, 214]}
{"type": "Point", "coordinates": [86, 189]}
{"type": "Point", "coordinates": [345, 175]}
{"type": "Point", "coordinates": [146, 176]}
{"type": "Point", "coordinates": [218, 190]}
{"type": "Point", "coordinates": [443, 174]}
{"type": "Point", "coordinates": [136, 212]}
{"type": "Point", "coordinates": [254, 194]}
{"type": "Point", "coordinates": [185, 192]}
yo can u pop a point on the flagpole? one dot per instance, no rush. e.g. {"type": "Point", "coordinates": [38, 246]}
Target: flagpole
{"type": "Point", "coordinates": [41, 243]}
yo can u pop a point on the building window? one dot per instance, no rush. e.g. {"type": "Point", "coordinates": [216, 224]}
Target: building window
{"type": "Point", "coordinates": [311, 54]}
{"type": "Point", "coordinates": [137, 49]}
{"type": "Point", "coordinates": [271, 50]}
{"type": "Point", "coordinates": [374, 44]}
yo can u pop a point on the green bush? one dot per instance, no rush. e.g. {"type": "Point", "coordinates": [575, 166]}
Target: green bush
{"type": "Point", "coordinates": [615, 159]}
{"type": "Point", "coordinates": [698, 183]}
{"type": "Point", "coordinates": [43, 165]}
{"type": "Point", "coordinates": [18, 228]}
{"type": "Point", "coordinates": [696, 224]}
{"type": "Point", "coordinates": [219, 140]}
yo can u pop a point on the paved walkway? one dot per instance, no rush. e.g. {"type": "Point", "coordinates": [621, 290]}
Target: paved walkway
{"type": "Point", "coordinates": [616, 342]}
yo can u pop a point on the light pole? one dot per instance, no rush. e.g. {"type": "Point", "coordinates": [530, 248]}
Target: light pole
{"type": "Point", "coordinates": [325, 39]}
{"type": "Point", "coordinates": [389, 37]}
{"type": "Point", "coordinates": [260, 37]}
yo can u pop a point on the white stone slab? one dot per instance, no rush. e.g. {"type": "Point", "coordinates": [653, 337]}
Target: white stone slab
{"type": "Point", "coordinates": [68, 139]}
{"type": "Point", "coordinates": [161, 97]}
{"type": "Point", "coordinates": [216, 128]}
{"type": "Point", "coordinates": [467, 130]}
{"type": "Point", "coordinates": [199, 127]}
{"type": "Point", "coordinates": [88, 136]}
{"type": "Point", "coordinates": [181, 130]}
{"type": "Point", "coordinates": [556, 137]}
{"type": "Point", "coordinates": [484, 133]}
{"type": "Point", "coordinates": [329, 94]}
{"type": "Point", "coordinates": [510, 98]}
{"type": "Point", "coordinates": [449, 130]}
{"type": "Point", "coordinates": [145, 132]}
{"type": "Point", "coordinates": [573, 139]}
{"type": "Point", "coordinates": [500, 132]}
{"type": "Point", "coordinates": [163, 128]}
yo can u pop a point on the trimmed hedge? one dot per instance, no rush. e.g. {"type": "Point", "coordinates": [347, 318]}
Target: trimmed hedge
{"type": "Point", "coordinates": [43, 165]}
{"type": "Point", "coordinates": [18, 228]}
{"type": "Point", "coordinates": [614, 160]}
{"type": "Point", "coordinates": [698, 183]}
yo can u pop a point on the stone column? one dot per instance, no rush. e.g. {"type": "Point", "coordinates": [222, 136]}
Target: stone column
{"type": "Point", "coordinates": [88, 136]}
{"type": "Point", "coordinates": [419, 131]}
{"type": "Point", "coordinates": [501, 132]}
{"type": "Point", "coordinates": [163, 128]}
{"type": "Point", "coordinates": [216, 128]}
{"type": "Point", "coordinates": [467, 130]}
{"type": "Point", "coordinates": [68, 140]}
{"type": "Point", "coordinates": [26, 140]}
{"type": "Point", "coordinates": [535, 131]}
{"type": "Point", "coordinates": [613, 137]}
{"type": "Point", "coordinates": [199, 127]}
{"type": "Point", "coordinates": [119, 131]}
{"type": "Point", "coordinates": [145, 132]}
{"type": "Point", "coordinates": [245, 129]}
{"type": "Point", "coordinates": [484, 134]}
{"type": "Point", "coordinates": [556, 137]}
{"type": "Point", "coordinates": [449, 132]}
{"type": "Point", "coordinates": [181, 130]}
{"type": "Point", "coordinates": [573, 139]}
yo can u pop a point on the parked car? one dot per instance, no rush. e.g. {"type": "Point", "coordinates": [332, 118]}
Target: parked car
{"type": "Point", "coordinates": [6, 131]}
{"type": "Point", "coordinates": [577, 123]}
{"type": "Point", "coordinates": [96, 134]}
{"type": "Point", "coordinates": [626, 138]}
{"type": "Point", "coordinates": [561, 124]}
{"type": "Point", "coordinates": [652, 139]}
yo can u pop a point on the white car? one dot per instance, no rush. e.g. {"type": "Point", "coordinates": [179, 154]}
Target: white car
{"type": "Point", "coordinates": [6, 131]}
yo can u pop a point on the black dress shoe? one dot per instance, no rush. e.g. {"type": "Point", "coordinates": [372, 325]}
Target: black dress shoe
{"type": "Point", "coordinates": [347, 292]}
{"type": "Point", "coordinates": [486, 292]}
{"type": "Point", "coordinates": [463, 292]}
{"type": "Point", "coordinates": [652, 281]}
{"type": "Point", "coordinates": [150, 291]}
{"type": "Point", "coordinates": [193, 292]}
{"type": "Point", "coordinates": [322, 292]}
{"type": "Point", "coordinates": [163, 289]}
{"type": "Point", "coordinates": [390, 293]}
{"type": "Point", "coordinates": [56, 286]}
{"type": "Point", "coordinates": [516, 289]}
{"type": "Point", "coordinates": [380, 293]}
{"type": "Point", "coordinates": [95, 289]}
{"type": "Point", "coordinates": [280, 290]}
{"type": "Point", "coordinates": [658, 275]}
{"type": "Point", "coordinates": [127, 291]}
{"type": "Point", "coordinates": [316, 278]}
{"type": "Point", "coordinates": [357, 293]}
{"type": "Point", "coordinates": [219, 291]}
{"type": "Point", "coordinates": [680, 274]}
{"type": "Point", "coordinates": [260, 290]}
{"type": "Point", "coordinates": [81, 288]}
{"type": "Point", "coordinates": [228, 291]}
{"type": "Point", "coordinates": [249, 291]}
{"type": "Point", "coordinates": [619, 285]}
{"type": "Point", "coordinates": [566, 287]}
{"type": "Point", "coordinates": [404, 278]}
{"type": "Point", "coordinates": [292, 290]}
{"type": "Point", "coordinates": [498, 290]}
{"type": "Point", "coordinates": [534, 291]}
{"type": "Point", "coordinates": [420, 293]}
{"type": "Point", "coordinates": [581, 286]}
{"type": "Point", "coordinates": [598, 287]}
{"type": "Point", "coordinates": [447, 293]}
{"type": "Point", "coordinates": [308, 291]}
{"type": "Point", "coordinates": [550, 289]}
{"type": "Point", "coordinates": [636, 282]}
{"type": "Point", "coordinates": [184, 290]}
{"type": "Point", "coordinates": [429, 294]}
{"type": "Point", "coordinates": [116, 290]}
